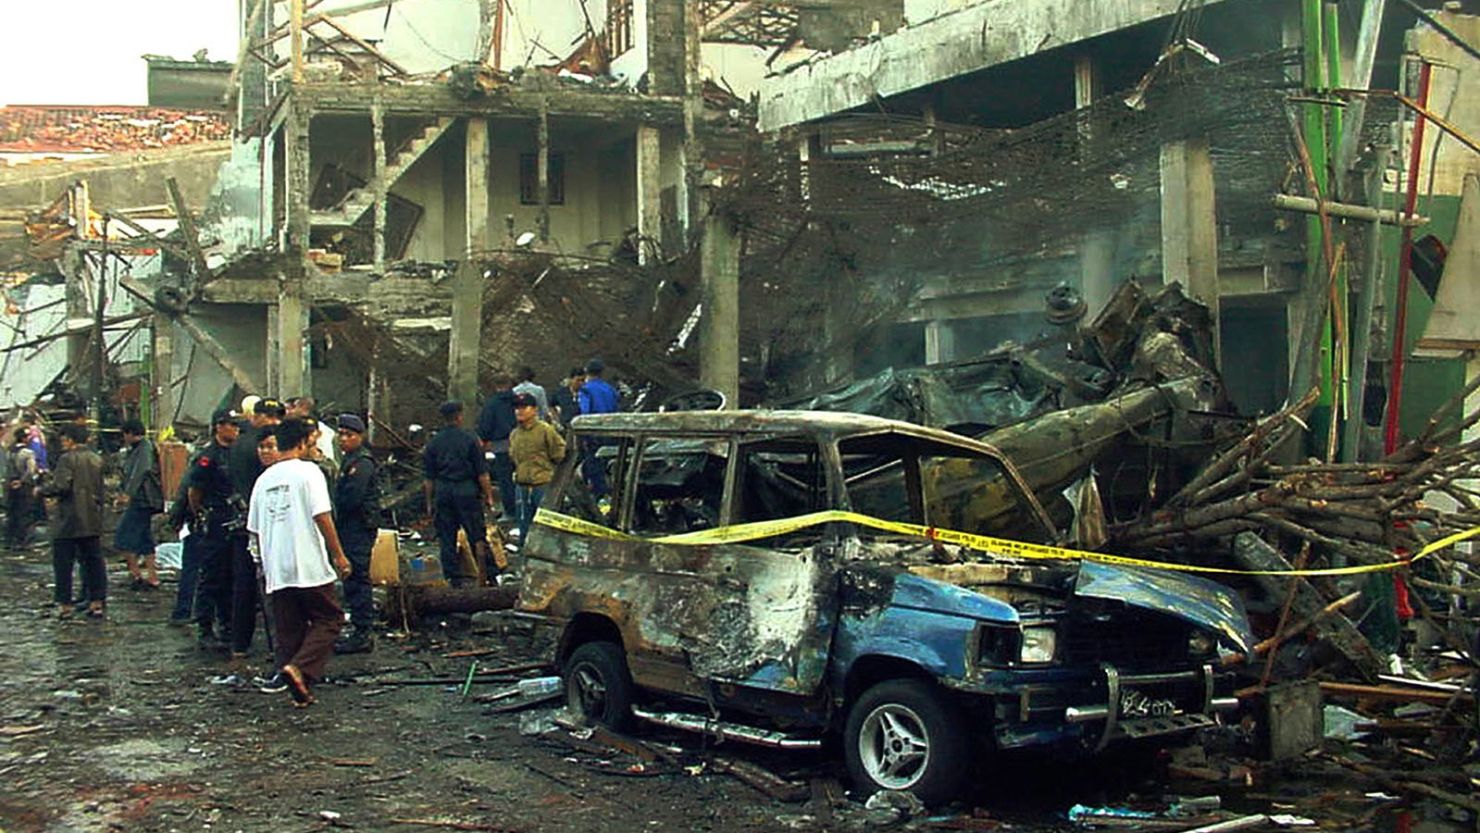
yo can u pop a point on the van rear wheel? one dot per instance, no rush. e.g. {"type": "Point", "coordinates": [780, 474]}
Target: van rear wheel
{"type": "Point", "coordinates": [907, 735]}
{"type": "Point", "coordinates": [598, 686]}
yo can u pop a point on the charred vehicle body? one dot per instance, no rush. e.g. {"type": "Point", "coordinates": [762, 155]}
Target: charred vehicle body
{"type": "Point", "coordinates": [761, 576]}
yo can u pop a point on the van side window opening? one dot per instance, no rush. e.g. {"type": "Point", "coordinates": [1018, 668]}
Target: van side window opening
{"type": "Point", "coordinates": [572, 495]}
{"type": "Point", "coordinates": [778, 478]}
{"type": "Point", "coordinates": [680, 485]}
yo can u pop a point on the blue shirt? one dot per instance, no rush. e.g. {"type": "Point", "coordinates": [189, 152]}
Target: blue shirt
{"type": "Point", "coordinates": [598, 397]}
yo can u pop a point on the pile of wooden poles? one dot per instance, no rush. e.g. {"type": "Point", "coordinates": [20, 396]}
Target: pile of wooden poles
{"type": "Point", "coordinates": [1342, 513]}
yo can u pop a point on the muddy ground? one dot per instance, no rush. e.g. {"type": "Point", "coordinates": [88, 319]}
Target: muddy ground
{"type": "Point", "coordinates": [116, 725]}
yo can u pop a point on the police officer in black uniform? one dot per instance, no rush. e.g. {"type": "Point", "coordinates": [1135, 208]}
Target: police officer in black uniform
{"type": "Point", "coordinates": [246, 467]}
{"type": "Point", "coordinates": [357, 515]}
{"type": "Point", "coordinates": [455, 474]}
{"type": "Point", "coordinates": [210, 491]}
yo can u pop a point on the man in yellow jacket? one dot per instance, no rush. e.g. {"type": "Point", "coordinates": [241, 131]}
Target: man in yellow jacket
{"type": "Point", "coordinates": [535, 448]}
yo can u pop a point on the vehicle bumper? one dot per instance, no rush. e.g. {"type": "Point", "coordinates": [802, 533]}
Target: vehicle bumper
{"type": "Point", "coordinates": [1032, 709]}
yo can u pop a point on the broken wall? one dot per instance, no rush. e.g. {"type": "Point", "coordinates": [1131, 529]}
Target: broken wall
{"type": "Point", "coordinates": [120, 180]}
{"type": "Point", "coordinates": [39, 309]}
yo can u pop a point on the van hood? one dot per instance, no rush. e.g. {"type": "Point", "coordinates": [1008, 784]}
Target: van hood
{"type": "Point", "coordinates": [1192, 599]}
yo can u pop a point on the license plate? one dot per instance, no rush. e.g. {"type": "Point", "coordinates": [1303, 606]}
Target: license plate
{"type": "Point", "coordinates": [1135, 704]}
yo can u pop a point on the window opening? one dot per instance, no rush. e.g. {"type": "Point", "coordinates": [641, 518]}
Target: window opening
{"type": "Point", "coordinates": [680, 486]}
{"type": "Point", "coordinates": [620, 36]}
{"type": "Point", "coordinates": [529, 179]}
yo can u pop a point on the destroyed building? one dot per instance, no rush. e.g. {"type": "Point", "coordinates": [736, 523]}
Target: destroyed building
{"type": "Point", "coordinates": [968, 162]}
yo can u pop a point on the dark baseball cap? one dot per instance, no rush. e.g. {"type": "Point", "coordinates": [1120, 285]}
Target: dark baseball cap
{"type": "Point", "coordinates": [525, 400]}
{"type": "Point", "coordinates": [223, 415]}
{"type": "Point", "coordinates": [450, 408]}
{"type": "Point", "coordinates": [352, 423]}
{"type": "Point", "coordinates": [270, 407]}
{"type": "Point", "coordinates": [595, 366]}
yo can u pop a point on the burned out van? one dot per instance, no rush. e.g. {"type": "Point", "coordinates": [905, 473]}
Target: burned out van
{"type": "Point", "coordinates": [777, 578]}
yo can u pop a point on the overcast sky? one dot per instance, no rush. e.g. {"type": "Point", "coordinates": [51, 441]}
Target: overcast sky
{"type": "Point", "coordinates": [88, 51]}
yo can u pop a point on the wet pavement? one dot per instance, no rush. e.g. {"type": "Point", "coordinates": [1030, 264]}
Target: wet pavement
{"type": "Point", "coordinates": [116, 725]}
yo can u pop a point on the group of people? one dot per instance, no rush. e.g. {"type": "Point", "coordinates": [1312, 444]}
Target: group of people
{"type": "Point", "coordinates": [515, 450]}
{"type": "Point", "coordinates": [268, 495]}
{"type": "Point", "coordinates": [269, 520]}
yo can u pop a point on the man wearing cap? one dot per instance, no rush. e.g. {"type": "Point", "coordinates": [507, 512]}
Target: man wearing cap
{"type": "Point", "coordinates": [357, 511]}
{"type": "Point", "coordinates": [455, 476]}
{"type": "Point", "coordinates": [536, 448]}
{"type": "Point", "coordinates": [597, 396]}
{"type": "Point", "coordinates": [209, 491]}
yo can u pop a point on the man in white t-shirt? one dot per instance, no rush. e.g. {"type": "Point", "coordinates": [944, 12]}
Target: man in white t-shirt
{"type": "Point", "coordinates": [294, 539]}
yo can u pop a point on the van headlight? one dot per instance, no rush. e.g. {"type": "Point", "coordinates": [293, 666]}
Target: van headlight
{"type": "Point", "coordinates": [1039, 645]}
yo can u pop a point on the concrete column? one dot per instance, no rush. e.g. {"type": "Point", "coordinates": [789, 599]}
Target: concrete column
{"type": "Point", "coordinates": [675, 166]}
{"type": "Point", "coordinates": [467, 281]}
{"type": "Point", "coordinates": [299, 173]}
{"type": "Point", "coordinates": [292, 322]}
{"type": "Point", "coordinates": [542, 169]}
{"type": "Point", "coordinates": [1086, 81]}
{"type": "Point", "coordinates": [649, 188]}
{"type": "Point", "coordinates": [79, 311]}
{"type": "Point", "coordinates": [940, 342]}
{"type": "Point", "coordinates": [1189, 224]}
{"type": "Point", "coordinates": [162, 372]}
{"type": "Point", "coordinates": [1096, 246]}
{"type": "Point", "coordinates": [806, 147]}
{"type": "Point", "coordinates": [476, 220]}
{"type": "Point", "coordinates": [271, 358]}
{"type": "Point", "coordinates": [693, 104]}
{"type": "Point", "coordinates": [719, 327]}
{"type": "Point", "coordinates": [378, 159]}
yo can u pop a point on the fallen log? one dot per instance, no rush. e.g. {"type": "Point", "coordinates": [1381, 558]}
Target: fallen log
{"type": "Point", "coordinates": [413, 600]}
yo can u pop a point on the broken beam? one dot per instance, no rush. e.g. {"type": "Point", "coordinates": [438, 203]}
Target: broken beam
{"type": "Point", "coordinates": [437, 101]}
{"type": "Point", "coordinates": [1393, 693]}
{"type": "Point", "coordinates": [187, 228]}
{"type": "Point", "coordinates": [179, 251]}
{"type": "Point", "coordinates": [360, 42]}
{"type": "Point", "coordinates": [213, 347]}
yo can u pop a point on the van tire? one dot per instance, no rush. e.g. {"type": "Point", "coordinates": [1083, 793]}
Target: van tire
{"type": "Point", "coordinates": [598, 686]}
{"type": "Point", "coordinates": [907, 735]}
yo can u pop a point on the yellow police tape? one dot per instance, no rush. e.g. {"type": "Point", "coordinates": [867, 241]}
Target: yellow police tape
{"type": "Point", "coordinates": [740, 533]}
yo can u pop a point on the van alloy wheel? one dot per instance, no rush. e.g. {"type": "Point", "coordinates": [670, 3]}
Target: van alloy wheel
{"type": "Point", "coordinates": [907, 734]}
{"type": "Point", "coordinates": [894, 746]}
